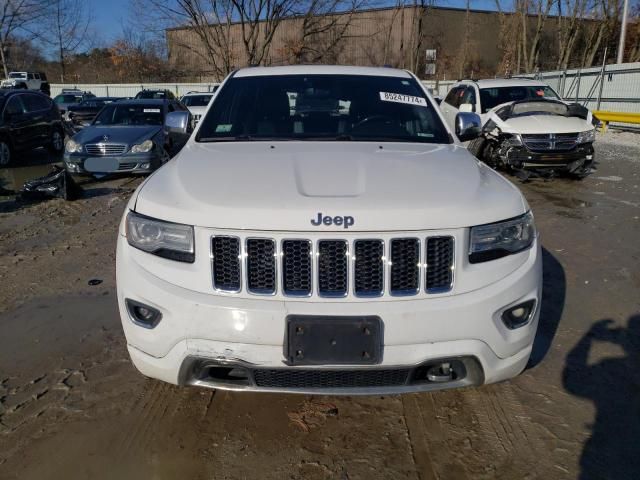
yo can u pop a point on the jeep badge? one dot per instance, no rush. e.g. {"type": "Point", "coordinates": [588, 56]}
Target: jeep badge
{"type": "Point", "coordinates": [327, 220]}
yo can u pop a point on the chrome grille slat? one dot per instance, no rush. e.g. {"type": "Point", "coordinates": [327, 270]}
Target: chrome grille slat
{"type": "Point", "coordinates": [261, 266]}
{"type": "Point", "coordinates": [338, 268]}
{"type": "Point", "coordinates": [226, 263]}
{"type": "Point", "coordinates": [333, 268]}
{"type": "Point", "coordinates": [439, 264]}
{"type": "Point", "coordinates": [297, 267]}
{"type": "Point", "coordinates": [405, 266]}
{"type": "Point", "coordinates": [105, 149]}
{"type": "Point", "coordinates": [368, 276]}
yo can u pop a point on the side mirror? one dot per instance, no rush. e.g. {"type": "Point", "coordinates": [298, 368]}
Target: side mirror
{"type": "Point", "coordinates": [467, 108]}
{"type": "Point", "coordinates": [177, 122]}
{"type": "Point", "coordinates": [468, 126]}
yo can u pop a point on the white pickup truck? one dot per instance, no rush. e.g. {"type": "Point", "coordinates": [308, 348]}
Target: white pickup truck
{"type": "Point", "coordinates": [344, 242]}
{"type": "Point", "coordinates": [28, 80]}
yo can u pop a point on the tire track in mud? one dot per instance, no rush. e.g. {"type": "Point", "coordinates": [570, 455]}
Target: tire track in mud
{"type": "Point", "coordinates": [147, 409]}
{"type": "Point", "coordinates": [482, 433]}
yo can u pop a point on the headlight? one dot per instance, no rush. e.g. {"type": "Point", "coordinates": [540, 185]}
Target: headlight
{"type": "Point", "coordinates": [513, 141]}
{"type": "Point", "coordinates": [144, 147]}
{"type": "Point", "coordinates": [165, 239]}
{"type": "Point", "coordinates": [500, 239]}
{"type": "Point", "coordinates": [73, 147]}
{"type": "Point", "coordinates": [587, 137]}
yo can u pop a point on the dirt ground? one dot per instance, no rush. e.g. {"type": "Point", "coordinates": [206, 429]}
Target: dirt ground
{"type": "Point", "coordinates": [73, 407]}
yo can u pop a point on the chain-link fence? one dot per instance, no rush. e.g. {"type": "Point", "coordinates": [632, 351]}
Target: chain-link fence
{"type": "Point", "coordinates": [611, 87]}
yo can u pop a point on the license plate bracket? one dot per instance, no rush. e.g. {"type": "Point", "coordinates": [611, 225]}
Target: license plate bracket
{"type": "Point", "coordinates": [333, 340]}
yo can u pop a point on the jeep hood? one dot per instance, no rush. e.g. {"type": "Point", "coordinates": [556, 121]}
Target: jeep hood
{"type": "Point", "coordinates": [282, 186]}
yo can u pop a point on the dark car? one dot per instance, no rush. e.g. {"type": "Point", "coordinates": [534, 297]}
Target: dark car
{"type": "Point", "coordinates": [155, 94]}
{"type": "Point", "coordinates": [29, 120]}
{"type": "Point", "coordinates": [83, 113]}
{"type": "Point", "coordinates": [71, 97]}
{"type": "Point", "coordinates": [132, 136]}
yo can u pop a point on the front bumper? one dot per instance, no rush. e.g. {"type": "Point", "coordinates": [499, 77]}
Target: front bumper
{"type": "Point", "coordinates": [570, 161]}
{"type": "Point", "coordinates": [138, 163]}
{"type": "Point", "coordinates": [199, 331]}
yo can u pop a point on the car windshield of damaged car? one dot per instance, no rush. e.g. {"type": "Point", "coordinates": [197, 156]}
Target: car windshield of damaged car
{"type": "Point", "coordinates": [543, 107]}
{"type": "Point", "coordinates": [67, 99]}
{"type": "Point", "coordinates": [323, 107]}
{"type": "Point", "coordinates": [114, 114]}
{"type": "Point", "coordinates": [492, 97]}
{"type": "Point", "coordinates": [196, 100]}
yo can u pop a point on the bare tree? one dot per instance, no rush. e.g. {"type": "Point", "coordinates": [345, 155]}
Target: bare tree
{"type": "Point", "coordinates": [67, 24]}
{"type": "Point", "coordinates": [602, 30]}
{"type": "Point", "coordinates": [324, 25]}
{"type": "Point", "coordinates": [530, 46]}
{"type": "Point", "coordinates": [416, 41]}
{"type": "Point", "coordinates": [569, 21]}
{"type": "Point", "coordinates": [208, 20]}
{"type": "Point", "coordinates": [259, 20]}
{"type": "Point", "coordinates": [17, 16]}
{"type": "Point", "coordinates": [634, 35]}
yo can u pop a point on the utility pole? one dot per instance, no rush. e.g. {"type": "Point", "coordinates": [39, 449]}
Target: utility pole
{"type": "Point", "coordinates": [623, 31]}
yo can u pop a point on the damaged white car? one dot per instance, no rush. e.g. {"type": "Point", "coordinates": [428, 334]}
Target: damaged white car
{"type": "Point", "coordinates": [527, 127]}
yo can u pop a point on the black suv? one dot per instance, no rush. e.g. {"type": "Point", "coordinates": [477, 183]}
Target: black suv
{"type": "Point", "coordinates": [28, 120]}
{"type": "Point", "coordinates": [155, 94]}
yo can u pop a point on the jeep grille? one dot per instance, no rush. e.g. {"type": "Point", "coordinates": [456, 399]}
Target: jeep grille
{"type": "Point", "coordinates": [333, 267]}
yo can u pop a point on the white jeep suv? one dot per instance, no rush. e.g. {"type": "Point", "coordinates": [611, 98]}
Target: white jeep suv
{"type": "Point", "coordinates": [341, 242]}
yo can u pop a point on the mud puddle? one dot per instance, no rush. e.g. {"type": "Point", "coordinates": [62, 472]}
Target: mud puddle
{"type": "Point", "coordinates": [12, 179]}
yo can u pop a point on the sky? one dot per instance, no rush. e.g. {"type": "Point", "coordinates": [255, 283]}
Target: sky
{"type": "Point", "coordinates": [109, 16]}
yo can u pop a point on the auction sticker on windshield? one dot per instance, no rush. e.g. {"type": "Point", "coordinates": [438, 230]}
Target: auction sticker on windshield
{"type": "Point", "coordinates": [402, 98]}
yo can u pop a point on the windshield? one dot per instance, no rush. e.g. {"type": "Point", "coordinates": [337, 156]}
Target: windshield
{"type": "Point", "coordinates": [113, 114]}
{"type": "Point", "coordinates": [340, 107]}
{"type": "Point", "coordinates": [67, 99]}
{"type": "Point", "coordinates": [196, 100]}
{"type": "Point", "coordinates": [17, 75]}
{"type": "Point", "coordinates": [151, 94]}
{"type": "Point", "coordinates": [492, 97]}
{"type": "Point", "coordinates": [544, 107]}
{"type": "Point", "coordinates": [92, 103]}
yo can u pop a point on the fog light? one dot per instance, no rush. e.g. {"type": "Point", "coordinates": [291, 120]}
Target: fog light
{"type": "Point", "coordinates": [518, 315]}
{"type": "Point", "coordinates": [143, 315]}
{"type": "Point", "coordinates": [145, 165]}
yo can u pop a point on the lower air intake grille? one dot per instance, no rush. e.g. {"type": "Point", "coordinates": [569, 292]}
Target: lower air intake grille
{"type": "Point", "coordinates": [296, 267]}
{"type": "Point", "coordinates": [333, 268]}
{"type": "Point", "coordinates": [369, 268]}
{"type": "Point", "coordinates": [261, 266]}
{"type": "Point", "coordinates": [439, 264]}
{"type": "Point", "coordinates": [294, 378]}
{"type": "Point", "coordinates": [226, 263]}
{"type": "Point", "coordinates": [405, 260]}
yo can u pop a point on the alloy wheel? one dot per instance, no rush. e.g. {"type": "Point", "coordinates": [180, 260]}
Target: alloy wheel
{"type": "Point", "coordinates": [57, 141]}
{"type": "Point", "coordinates": [5, 154]}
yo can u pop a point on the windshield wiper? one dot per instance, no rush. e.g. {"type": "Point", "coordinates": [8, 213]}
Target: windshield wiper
{"type": "Point", "coordinates": [235, 138]}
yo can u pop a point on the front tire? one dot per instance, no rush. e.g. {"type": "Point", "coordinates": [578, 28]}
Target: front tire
{"type": "Point", "coordinates": [5, 153]}
{"type": "Point", "coordinates": [56, 145]}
